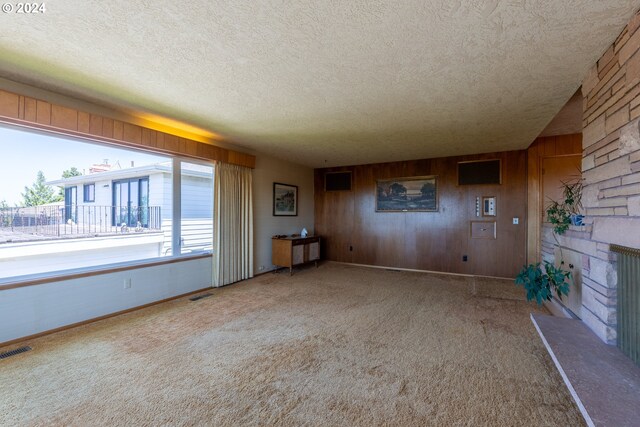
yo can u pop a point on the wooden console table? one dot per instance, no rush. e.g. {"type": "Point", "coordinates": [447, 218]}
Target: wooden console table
{"type": "Point", "coordinates": [292, 251]}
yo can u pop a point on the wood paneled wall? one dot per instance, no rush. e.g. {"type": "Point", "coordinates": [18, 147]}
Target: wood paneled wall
{"type": "Point", "coordinates": [354, 232]}
{"type": "Point", "coordinates": [551, 146]}
{"type": "Point", "coordinates": [34, 113]}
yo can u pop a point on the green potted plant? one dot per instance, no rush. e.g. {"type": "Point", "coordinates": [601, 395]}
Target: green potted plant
{"type": "Point", "coordinates": [562, 214]}
{"type": "Point", "coordinates": [540, 283]}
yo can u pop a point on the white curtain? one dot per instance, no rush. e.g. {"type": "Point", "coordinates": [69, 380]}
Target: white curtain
{"type": "Point", "coordinates": [232, 224]}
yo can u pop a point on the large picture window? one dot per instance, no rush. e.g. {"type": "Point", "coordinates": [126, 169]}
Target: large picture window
{"type": "Point", "coordinates": [124, 213]}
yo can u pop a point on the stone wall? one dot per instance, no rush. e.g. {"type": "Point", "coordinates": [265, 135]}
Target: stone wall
{"type": "Point", "coordinates": [611, 172]}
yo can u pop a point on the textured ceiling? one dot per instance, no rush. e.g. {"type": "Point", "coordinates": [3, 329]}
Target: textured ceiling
{"type": "Point", "coordinates": [323, 83]}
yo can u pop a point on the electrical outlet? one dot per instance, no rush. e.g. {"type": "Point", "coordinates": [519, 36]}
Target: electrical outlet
{"type": "Point", "coordinates": [516, 220]}
{"type": "Point", "coordinates": [261, 268]}
{"type": "Point", "coordinates": [465, 258]}
{"type": "Point", "coordinates": [127, 283]}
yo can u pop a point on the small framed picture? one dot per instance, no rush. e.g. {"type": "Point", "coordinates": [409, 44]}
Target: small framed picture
{"type": "Point", "coordinates": [489, 206]}
{"type": "Point", "coordinates": [285, 199]}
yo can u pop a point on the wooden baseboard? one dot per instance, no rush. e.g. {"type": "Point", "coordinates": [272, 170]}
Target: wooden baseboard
{"type": "Point", "coordinates": [421, 271]}
{"type": "Point", "coordinates": [95, 319]}
{"type": "Point", "coordinates": [261, 273]}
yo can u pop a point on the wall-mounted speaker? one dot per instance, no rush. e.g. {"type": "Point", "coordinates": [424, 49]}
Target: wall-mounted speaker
{"type": "Point", "coordinates": [480, 172]}
{"type": "Point", "coordinates": [337, 181]}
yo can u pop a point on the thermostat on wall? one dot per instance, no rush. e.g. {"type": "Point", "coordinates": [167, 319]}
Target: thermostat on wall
{"type": "Point", "coordinates": [489, 206]}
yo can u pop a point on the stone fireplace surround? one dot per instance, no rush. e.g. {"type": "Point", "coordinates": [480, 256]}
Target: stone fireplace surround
{"type": "Point", "coordinates": [611, 172]}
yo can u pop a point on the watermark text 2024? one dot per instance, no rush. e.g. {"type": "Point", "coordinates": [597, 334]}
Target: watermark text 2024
{"type": "Point", "coordinates": [24, 8]}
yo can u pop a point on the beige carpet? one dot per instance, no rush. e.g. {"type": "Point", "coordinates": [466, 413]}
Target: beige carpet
{"type": "Point", "coordinates": [337, 345]}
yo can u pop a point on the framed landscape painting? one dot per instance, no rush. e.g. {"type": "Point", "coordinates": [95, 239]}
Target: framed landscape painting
{"type": "Point", "coordinates": [412, 194]}
{"type": "Point", "coordinates": [285, 199]}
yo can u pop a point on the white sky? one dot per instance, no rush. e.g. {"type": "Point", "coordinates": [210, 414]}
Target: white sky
{"type": "Point", "coordinates": [24, 153]}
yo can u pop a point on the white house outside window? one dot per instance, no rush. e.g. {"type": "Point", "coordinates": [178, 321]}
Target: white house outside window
{"type": "Point", "coordinates": [124, 214]}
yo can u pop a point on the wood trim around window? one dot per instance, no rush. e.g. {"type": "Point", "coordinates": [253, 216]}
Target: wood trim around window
{"type": "Point", "coordinates": [37, 114]}
{"type": "Point", "coordinates": [98, 271]}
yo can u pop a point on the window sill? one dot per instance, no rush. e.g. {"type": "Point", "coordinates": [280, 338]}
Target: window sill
{"type": "Point", "coordinates": [59, 276]}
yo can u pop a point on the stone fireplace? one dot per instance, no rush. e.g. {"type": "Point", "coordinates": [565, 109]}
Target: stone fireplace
{"type": "Point", "coordinates": [611, 172]}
